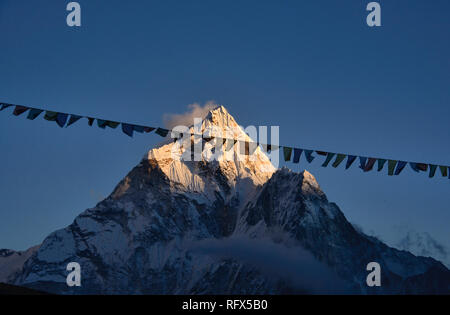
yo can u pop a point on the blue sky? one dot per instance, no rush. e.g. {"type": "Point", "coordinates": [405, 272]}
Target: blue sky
{"type": "Point", "coordinates": [314, 68]}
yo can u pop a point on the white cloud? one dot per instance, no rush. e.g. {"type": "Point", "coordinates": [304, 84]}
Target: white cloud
{"type": "Point", "coordinates": [187, 119]}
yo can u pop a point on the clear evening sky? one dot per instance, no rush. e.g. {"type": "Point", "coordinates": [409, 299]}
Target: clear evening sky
{"type": "Point", "coordinates": [314, 68]}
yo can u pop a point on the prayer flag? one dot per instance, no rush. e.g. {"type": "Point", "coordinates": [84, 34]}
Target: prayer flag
{"type": "Point", "coordinates": [400, 166]}
{"type": "Point", "coordinates": [419, 167]}
{"type": "Point", "coordinates": [381, 163]}
{"type": "Point", "coordinates": [350, 160]}
{"type": "Point", "coordinates": [362, 162]}
{"type": "Point", "coordinates": [141, 129]}
{"type": "Point", "coordinates": [162, 132]}
{"type": "Point", "coordinates": [432, 170]}
{"type": "Point", "coordinates": [266, 147]}
{"type": "Point", "coordinates": [34, 113]}
{"type": "Point", "coordinates": [112, 124]}
{"type": "Point", "coordinates": [230, 144]}
{"type": "Point", "coordinates": [73, 119]}
{"type": "Point", "coordinates": [102, 123]}
{"type": "Point", "coordinates": [370, 164]}
{"type": "Point", "coordinates": [252, 147]}
{"type": "Point", "coordinates": [339, 159]}
{"type": "Point", "coordinates": [309, 156]}
{"type": "Point", "coordinates": [443, 170]}
{"type": "Point", "coordinates": [287, 153]}
{"type": "Point", "coordinates": [61, 119]}
{"type": "Point", "coordinates": [50, 116]}
{"type": "Point", "coordinates": [127, 129]}
{"type": "Point", "coordinates": [19, 110]}
{"type": "Point", "coordinates": [391, 167]}
{"type": "Point", "coordinates": [328, 159]}
{"type": "Point", "coordinates": [297, 155]}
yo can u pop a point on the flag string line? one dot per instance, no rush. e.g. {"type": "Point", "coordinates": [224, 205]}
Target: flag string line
{"type": "Point", "coordinates": [395, 167]}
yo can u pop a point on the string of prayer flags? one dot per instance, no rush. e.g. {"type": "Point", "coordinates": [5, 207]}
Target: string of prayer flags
{"type": "Point", "coordinates": [395, 167]}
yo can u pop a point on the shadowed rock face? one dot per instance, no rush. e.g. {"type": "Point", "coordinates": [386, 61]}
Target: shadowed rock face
{"type": "Point", "coordinates": [140, 239]}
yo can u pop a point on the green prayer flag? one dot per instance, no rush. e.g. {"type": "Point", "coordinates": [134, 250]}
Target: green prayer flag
{"type": "Point", "coordinates": [113, 124]}
{"type": "Point", "coordinates": [50, 116]}
{"type": "Point", "coordinates": [328, 159]}
{"type": "Point", "coordinates": [287, 153]}
{"type": "Point", "coordinates": [162, 132]}
{"type": "Point", "coordinates": [381, 163]}
{"type": "Point", "coordinates": [339, 159]}
{"type": "Point", "coordinates": [432, 170]}
{"type": "Point", "coordinates": [443, 170]}
{"type": "Point", "coordinates": [391, 167]}
{"type": "Point", "coordinates": [102, 123]}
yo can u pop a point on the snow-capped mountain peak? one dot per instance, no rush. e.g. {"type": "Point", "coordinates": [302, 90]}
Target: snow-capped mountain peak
{"type": "Point", "coordinates": [241, 172]}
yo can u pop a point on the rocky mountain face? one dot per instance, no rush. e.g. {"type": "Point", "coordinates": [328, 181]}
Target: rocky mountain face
{"type": "Point", "coordinates": [150, 236]}
{"type": "Point", "coordinates": [11, 262]}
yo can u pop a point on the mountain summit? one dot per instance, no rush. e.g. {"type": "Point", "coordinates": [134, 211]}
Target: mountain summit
{"type": "Point", "coordinates": [236, 226]}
